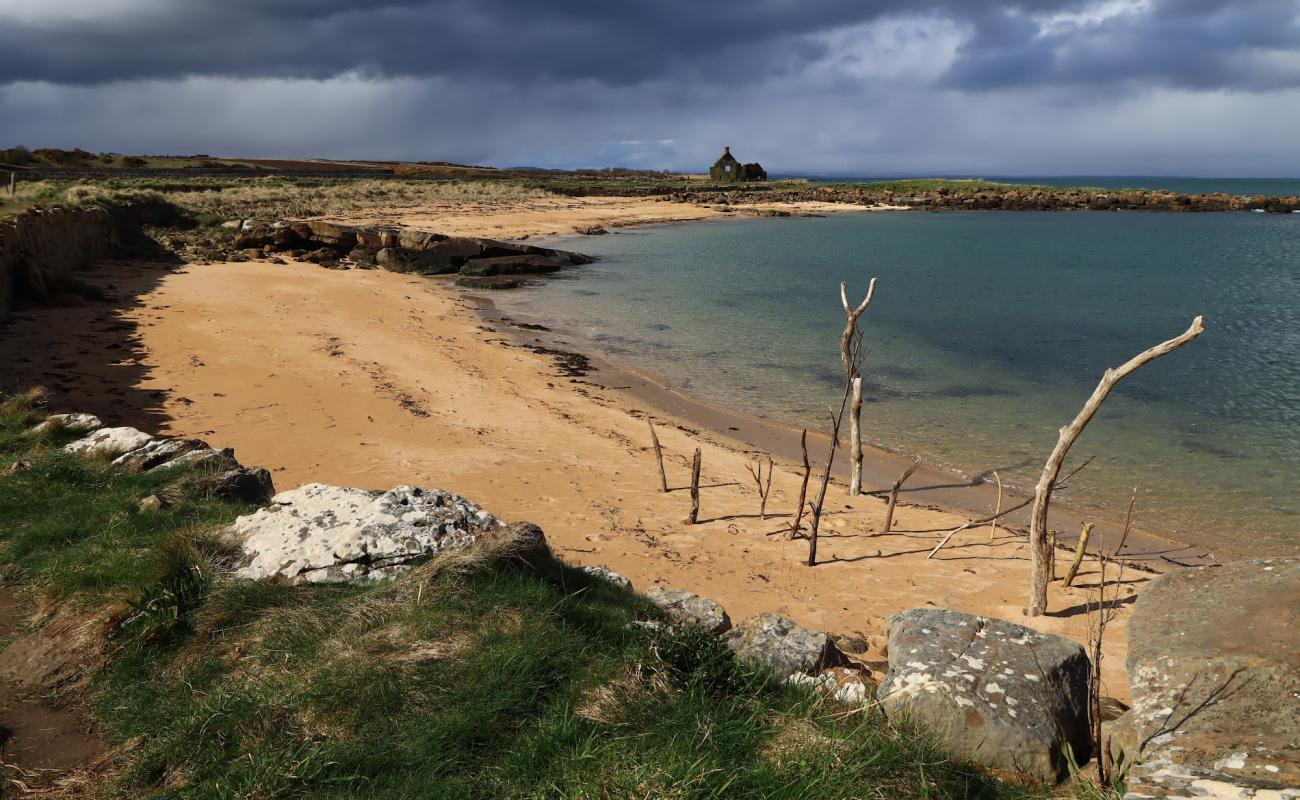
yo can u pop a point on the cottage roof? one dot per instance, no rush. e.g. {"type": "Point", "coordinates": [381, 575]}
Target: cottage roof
{"type": "Point", "coordinates": [726, 158]}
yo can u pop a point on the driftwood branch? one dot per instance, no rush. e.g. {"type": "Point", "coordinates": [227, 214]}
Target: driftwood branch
{"type": "Point", "coordinates": [855, 438]}
{"type": "Point", "coordinates": [659, 456]}
{"type": "Point", "coordinates": [1039, 548]}
{"type": "Point", "coordinates": [893, 494]}
{"type": "Point", "coordinates": [695, 487]}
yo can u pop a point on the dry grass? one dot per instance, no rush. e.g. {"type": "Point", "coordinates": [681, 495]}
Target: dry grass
{"type": "Point", "coordinates": [279, 198]}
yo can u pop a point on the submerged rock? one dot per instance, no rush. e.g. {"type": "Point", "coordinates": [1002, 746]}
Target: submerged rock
{"type": "Point", "coordinates": [328, 534]}
{"type": "Point", "coordinates": [1003, 694]}
{"type": "Point", "coordinates": [690, 609]}
{"type": "Point", "coordinates": [526, 264]}
{"type": "Point", "coordinates": [1214, 670]}
{"type": "Point", "coordinates": [110, 441]}
{"type": "Point", "coordinates": [494, 283]}
{"type": "Point", "coordinates": [777, 643]}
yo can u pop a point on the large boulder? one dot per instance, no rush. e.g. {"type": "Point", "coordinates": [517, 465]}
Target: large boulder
{"type": "Point", "coordinates": [1214, 671]}
{"type": "Point", "coordinates": [1003, 694]}
{"type": "Point", "coordinates": [110, 442]}
{"type": "Point", "coordinates": [777, 643]}
{"type": "Point", "coordinates": [327, 534]}
{"type": "Point", "coordinates": [688, 608]}
{"type": "Point", "coordinates": [239, 484]}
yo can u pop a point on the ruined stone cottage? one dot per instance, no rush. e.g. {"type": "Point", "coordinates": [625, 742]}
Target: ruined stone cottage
{"type": "Point", "coordinates": [728, 170]}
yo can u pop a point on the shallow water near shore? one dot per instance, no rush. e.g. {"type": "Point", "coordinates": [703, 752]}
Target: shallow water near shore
{"type": "Point", "coordinates": [987, 333]}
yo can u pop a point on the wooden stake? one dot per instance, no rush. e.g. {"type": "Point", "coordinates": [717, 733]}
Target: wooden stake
{"type": "Point", "coordinates": [764, 489]}
{"type": "Point", "coordinates": [659, 456]}
{"type": "Point", "coordinates": [836, 421]}
{"type": "Point", "coordinates": [893, 494]}
{"type": "Point", "coordinates": [803, 487]}
{"type": "Point", "coordinates": [1051, 555]}
{"type": "Point", "coordinates": [848, 355]}
{"type": "Point", "coordinates": [695, 487]}
{"type": "Point", "coordinates": [1128, 522]}
{"type": "Point", "coordinates": [997, 512]}
{"type": "Point", "coordinates": [1039, 549]}
{"type": "Point", "coordinates": [1078, 554]}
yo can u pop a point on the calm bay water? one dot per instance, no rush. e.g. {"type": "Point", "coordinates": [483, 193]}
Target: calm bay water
{"type": "Point", "coordinates": [988, 332]}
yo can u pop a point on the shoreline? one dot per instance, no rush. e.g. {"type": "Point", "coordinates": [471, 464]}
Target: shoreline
{"type": "Point", "coordinates": [931, 486]}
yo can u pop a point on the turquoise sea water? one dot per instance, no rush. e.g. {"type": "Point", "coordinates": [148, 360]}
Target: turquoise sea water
{"type": "Point", "coordinates": [1272, 187]}
{"type": "Point", "coordinates": [987, 333]}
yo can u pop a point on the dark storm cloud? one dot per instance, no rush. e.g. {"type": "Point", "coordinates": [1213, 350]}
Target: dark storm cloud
{"type": "Point", "coordinates": [1192, 43]}
{"type": "Point", "coordinates": [1253, 45]}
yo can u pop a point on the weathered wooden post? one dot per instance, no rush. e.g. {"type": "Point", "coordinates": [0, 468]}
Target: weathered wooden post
{"type": "Point", "coordinates": [1078, 555]}
{"type": "Point", "coordinates": [695, 487]}
{"type": "Point", "coordinates": [659, 456]}
{"type": "Point", "coordinates": [848, 356]}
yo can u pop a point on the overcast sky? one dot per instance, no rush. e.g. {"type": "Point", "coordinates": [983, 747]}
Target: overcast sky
{"type": "Point", "coordinates": [1187, 87]}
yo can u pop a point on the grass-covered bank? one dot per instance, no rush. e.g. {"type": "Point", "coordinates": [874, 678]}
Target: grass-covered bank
{"type": "Point", "coordinates": [465, 678]}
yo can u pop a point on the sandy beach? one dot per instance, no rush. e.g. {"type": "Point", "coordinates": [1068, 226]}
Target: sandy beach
{"type": "Point", "coordinates": [374, 379]}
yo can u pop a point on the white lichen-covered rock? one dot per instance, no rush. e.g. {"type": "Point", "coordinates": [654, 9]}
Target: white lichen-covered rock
{"type": "Point", "coordinates": [606, 574]}
{"type": "Point", "coordinates": [688, 608]}
{"type": "Point", "coordinates": [328, 534]}
{"type": "Point", "coordinates": [76, 423]}
{"type": "Point", "coordinates": [110, 442]}
{"type": "Point", "coordinates": [1003, 694]}
{"type": "Point", "coordinates": [778, 644]}
{"type": "Point", "coordinates": [1214, 670]}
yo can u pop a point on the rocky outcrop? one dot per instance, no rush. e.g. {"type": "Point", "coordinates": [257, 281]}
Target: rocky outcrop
{"type": "Point", "coordinates": [1004, 198]}
{"type": "Point", "coordinates": [1214, 671]}
{"type": "Point", "coordinates": [1003, 694]}
{"type": "Point", "coordinates": [216, 472]}
{"type": "Point", "coordinates": [40, 249]}
{"type": "Point", "coordinates": [688, 608]}
{"type": "Point", "coordinates": [401, 250]}
{"type": "Point", "coordinates": [782, 647]}
{"type": "Point", "coordinates": [329, 534]}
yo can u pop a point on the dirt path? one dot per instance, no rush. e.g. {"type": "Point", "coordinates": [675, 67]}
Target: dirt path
{"type": "Point", "coordinates": [37, 738]}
